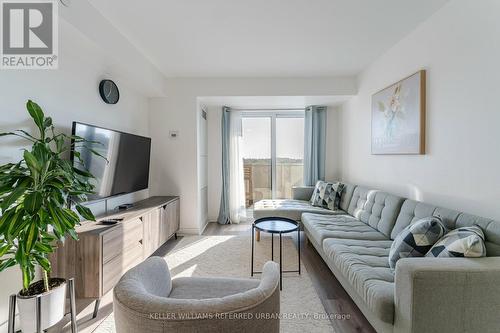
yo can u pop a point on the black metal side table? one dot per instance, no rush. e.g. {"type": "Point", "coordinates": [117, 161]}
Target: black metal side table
{"type": "Point", "coordinates": [276, 225]}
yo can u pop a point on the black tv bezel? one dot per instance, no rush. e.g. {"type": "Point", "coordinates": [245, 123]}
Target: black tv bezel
{"type": "Point", "coordinates": [72, 157]}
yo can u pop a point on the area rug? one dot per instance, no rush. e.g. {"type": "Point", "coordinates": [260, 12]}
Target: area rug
{"type": "Point", "coordinates": [229, 256]}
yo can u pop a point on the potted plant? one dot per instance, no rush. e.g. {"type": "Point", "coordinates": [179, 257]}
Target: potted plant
{"type": "Point", "coordinates": [36, 197]}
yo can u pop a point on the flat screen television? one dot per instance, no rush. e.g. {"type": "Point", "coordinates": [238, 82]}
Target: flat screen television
{"type": "Point", "coordinates": [127, 167]}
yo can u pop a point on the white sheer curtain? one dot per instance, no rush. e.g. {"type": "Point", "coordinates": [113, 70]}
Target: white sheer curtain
{"type": "Point", "coordinates": [237, 212]}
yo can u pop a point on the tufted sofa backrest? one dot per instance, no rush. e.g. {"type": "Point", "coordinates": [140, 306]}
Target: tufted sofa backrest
{"type": "Point", "coordinates": [375, 208]}
{"type": "Point", "coordinates": [491, 230]}
{"type": "Point", "coordinates": [390, 214]}
{"type": "Point", "coordinates": [412, 211]}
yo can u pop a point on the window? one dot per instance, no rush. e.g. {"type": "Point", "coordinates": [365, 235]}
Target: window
{"type": "Point", "coordinates": [272, 148]}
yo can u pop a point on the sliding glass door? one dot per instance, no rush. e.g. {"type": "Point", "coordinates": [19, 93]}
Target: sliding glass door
{"type": "Point", "coordinates": [289, 155]}
{"type": "Point", "coordinates": [272, 148]}
{"type": "Point", "coordinates": [257, 158]}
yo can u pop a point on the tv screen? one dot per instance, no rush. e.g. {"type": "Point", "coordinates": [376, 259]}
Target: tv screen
{"type": "Point", "coordinates": [127, 167]}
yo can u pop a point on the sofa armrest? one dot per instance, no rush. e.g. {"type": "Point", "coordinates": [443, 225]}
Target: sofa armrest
{"type": "Point", "coordinates": [302, 192]}
{"type": "Point", "coordinates": [447, 295]}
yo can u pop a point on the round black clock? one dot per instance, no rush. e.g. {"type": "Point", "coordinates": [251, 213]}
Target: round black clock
{"type": "Point", "coordinates": [109, 92]}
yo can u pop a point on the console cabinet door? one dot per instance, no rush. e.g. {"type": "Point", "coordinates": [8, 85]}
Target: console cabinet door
{"type": "Point", "coordinates": [169, 220]}
{"type": "Point", "coordinates": [152, 221]}
{"type": "Point", "coordinates": [164, 229]}
{"type": "Point", "coordinates": [173, 217]}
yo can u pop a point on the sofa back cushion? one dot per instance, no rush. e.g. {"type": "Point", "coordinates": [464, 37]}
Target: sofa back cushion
{"type": "Point", "coordinates": [358, 200]}
{"type": "Point", "coordinates": [412, 211]}
{"type": "Point", "coordinates": [490, 228]}
{"type": "Point", "coordinates": [346, 196]}
{"type": "Point", "coordinates": [375, 208]}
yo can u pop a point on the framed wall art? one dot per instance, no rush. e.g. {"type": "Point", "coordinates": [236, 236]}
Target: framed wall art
{"type": "Point", "coordinates": [398, 117]}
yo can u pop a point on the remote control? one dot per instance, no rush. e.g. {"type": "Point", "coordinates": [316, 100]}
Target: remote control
{"type": "Point", "coordinates": [109, 222]}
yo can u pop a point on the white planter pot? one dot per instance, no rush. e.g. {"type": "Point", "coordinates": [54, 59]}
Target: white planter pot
{"type": "Point", "coordinates": [52, 309]}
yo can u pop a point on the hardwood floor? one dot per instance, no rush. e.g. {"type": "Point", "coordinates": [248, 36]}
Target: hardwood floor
{"type": "Point", "coordinates": [334, 298]}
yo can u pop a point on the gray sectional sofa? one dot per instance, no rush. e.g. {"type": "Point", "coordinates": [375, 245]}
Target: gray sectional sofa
{"type": "Point", "coordinates": [421, 294]}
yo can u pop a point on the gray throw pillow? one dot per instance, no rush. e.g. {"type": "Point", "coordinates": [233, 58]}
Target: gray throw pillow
{"type": "Point", "coordinates": [461, 242]}
{"type": "Point", "coordinates": [327, 195]}
{"type": "Point", "coordinates": [416, 239]}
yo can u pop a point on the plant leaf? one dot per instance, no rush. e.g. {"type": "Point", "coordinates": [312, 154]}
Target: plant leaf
{"type": "Point", "coordinates": [13, 196]}
{"type": "Point", "coordinates": [41, 247]}
{"type": "Point", "coordinates": [44, 262]}
{"type": "Point", "coordinates": [85, 212]}
{"type": "Point", "coordinates": [32, 163]}
{"type": "Point", "coordinates": [16, 134]}
{"type": "Point", "coordinates": [37, 114]}
{"type": "Point", "coordinates": [83, 173]}
{"type": "Point", "coordinates": [31, 237]}
{"type": "Point", "coordinates": [33, 202]}
{"type": "Point", "coordinates": [7, 263]}
{"type": "Point", "coordinates": [5, 219]}
{"type": "Point", "coordinates": [4, 249]}
{"type": "Point", "coordinates": [73, 234]}
{"type": "Point", "coordinates": [17, 224]}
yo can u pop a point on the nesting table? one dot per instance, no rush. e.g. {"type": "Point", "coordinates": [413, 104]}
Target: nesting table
{"type": "Point", "coordinates": [280, 226]}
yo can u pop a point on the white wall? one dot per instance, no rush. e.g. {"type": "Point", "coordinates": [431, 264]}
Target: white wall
{"type": "Point", "coordinates": [333, 144]}
{"type": "Point", "coordinates": [67, 94]}
{"type": "Point", "coordinates": [458, 46]}
{"type": "Point", "coordinates": [175, 161]}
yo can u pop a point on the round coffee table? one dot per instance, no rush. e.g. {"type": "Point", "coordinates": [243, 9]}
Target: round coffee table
{"type": "Point", "coordinates": [276, 225]}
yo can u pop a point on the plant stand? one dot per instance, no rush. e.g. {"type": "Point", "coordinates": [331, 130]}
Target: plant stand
{"type": "Point", "coordinates": [38, 309]}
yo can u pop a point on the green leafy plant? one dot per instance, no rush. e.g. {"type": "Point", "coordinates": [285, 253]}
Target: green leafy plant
{"type": "Point", "coordinates": [36, 196]}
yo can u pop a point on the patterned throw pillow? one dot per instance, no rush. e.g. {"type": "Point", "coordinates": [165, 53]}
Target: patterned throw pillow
{"type": "Point", "coordinates": [416, 239]}
{"type": "Point", "coordinates": [461, 242]}
{"type": "Point", "coordinates": [327, 195]}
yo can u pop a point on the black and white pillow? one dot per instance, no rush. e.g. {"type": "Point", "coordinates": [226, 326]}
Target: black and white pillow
{"type": "Point", "coordinates": [416, 239]}
{"type": "Point", "coordinates": [461, 242]}
{"type": "Point", "coordinates": [327, 195]}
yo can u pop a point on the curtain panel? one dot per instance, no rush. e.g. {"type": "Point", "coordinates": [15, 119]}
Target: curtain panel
{"type": "Point", "coordinates": [232, 206]}
{"type": "Point", "coordinates": [314, 144]}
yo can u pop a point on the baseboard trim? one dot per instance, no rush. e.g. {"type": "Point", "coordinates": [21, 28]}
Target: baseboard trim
{"type": "Point", "coordinates": [189, 231]}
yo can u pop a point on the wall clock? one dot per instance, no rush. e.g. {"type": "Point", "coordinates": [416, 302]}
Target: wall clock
{"type": "Point", "coordinates": [109, 92]}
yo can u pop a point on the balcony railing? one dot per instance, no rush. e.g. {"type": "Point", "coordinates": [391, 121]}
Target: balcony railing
{"type": "Point", "coordinates": [257, 176]}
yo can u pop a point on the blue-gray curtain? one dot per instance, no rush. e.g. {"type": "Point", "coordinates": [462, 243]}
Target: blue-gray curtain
{"type": "Point", "coordinates": [224, 201]}
{"type": "Point", "coordinates": [314, 144]}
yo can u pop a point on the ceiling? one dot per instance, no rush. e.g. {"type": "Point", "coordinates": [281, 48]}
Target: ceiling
{"type": "Point", "coordinates": [264, 38]}
{"type": "Point", "coordinates": [272, 102]}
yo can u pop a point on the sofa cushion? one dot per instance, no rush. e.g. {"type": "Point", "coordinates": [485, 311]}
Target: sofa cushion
{"type": "Point", "coordinates": [358, 200]}
{"type": "Point", "coordinates": [412, 211]}
{"type": "Point", "coordinates": [490, 228]}
{"type": "Point", "coordinates": [381, 211]}
{"type": "Point", "coordinates": [327, 195]}
{"type": "Point", "coordinates": [416, 239]}
{"type": "Point", "coordinates": [461, 242]}
{"type": "Point", "coordinates": [376, 208]}
{"type": "Point", "coordinates": [288, 208]}
{"type": "Point", "coordinates": [364, 263]}
{"type": "Point", "coordinates": [346, 196]}
{"type": "Point", "coordinates": [320, 227]}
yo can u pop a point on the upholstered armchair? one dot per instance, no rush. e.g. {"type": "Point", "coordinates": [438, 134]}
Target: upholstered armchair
{"type": "Point", "coordinates": [146, 299]}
